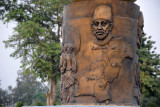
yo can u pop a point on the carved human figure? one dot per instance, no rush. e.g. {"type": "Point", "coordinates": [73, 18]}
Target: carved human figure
{"type": "Point", "coordinates": [114, 56]}
{"type": "Point", "coordinates": [102, 24]}
{"type": "Point", "coordinates": [68, 68]}
{"type": "Point", "coordinates": [63, 63]}
{"type": "Point", "coordinates": [62, 67]}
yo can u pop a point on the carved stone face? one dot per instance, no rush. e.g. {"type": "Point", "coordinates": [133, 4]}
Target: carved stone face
{"type": "Point", "coordinates": [102, 22]}
{"type": "Point", "coordinates": [101, 28]}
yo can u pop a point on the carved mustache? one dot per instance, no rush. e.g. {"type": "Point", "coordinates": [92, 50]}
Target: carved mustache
{"type": "Point", "coordinates": [101, 36]}
{"type": "Point", "coordinates": [100, 32]}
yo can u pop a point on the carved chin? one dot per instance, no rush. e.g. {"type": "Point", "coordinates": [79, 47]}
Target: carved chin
{"type": "Point", "coordinates": [101, 36]}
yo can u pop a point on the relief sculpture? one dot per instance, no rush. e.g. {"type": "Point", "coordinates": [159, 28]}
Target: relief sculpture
{"type": "Point", "coordinates": [68, 67]}
{"type": "Point", "coordinates": [103, 73]}
{"type": "Point", "coordinates": [99, 59]}
{"type": "Point", "coordinates": [68, 63]}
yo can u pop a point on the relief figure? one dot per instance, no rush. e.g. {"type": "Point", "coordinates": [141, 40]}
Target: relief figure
{"type": "Point", "coordinates": [102, 24]}
{"type": "Point", "coordinates": [68, 67]}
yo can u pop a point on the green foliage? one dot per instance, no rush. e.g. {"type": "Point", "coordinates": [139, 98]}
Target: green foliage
{"type": "Point", "coordinates": [36, 38]}
{"type": "Point", "coordinates": [37, 34]}
{"type": "Point", "coordinates": [150, 73]}
{"type": "Point", "coordinates": [150, 101]}
{"type": "Point", "coordinates": [29, 89]}
{"type": "Point", "coordinates": [0, 105]}
{"type": "Point", "coordinates": [5, 97]}
{"type": "Point", "coordinates": [39, 99]}
{"type": "Point", "coordinates": [38, 103]}
{"type": "Point", "coordinates": [19, 104]}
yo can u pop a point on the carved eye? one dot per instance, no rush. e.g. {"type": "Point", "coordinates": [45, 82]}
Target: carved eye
{"type": "Point", "coordinates": [95, 23]}
{"type": "Point", "coordinates": [104, 23]}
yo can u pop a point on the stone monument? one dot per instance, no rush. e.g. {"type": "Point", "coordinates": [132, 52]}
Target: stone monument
{"type": "Point", "coordinates": [99, 61]}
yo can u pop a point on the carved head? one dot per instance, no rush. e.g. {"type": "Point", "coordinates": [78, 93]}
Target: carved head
{"type": "Point", "coordinates": [63, 49]}
{"type": "Point", "coordinates": [102, 22]}
{"type": "Point", "coordinates": [69, 48]}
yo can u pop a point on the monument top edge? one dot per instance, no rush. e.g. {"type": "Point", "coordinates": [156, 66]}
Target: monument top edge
{"type": "Point", "coordinates": [82, 2]}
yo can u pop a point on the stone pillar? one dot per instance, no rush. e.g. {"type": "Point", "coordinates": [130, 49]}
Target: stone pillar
{"type": "Point", "coordinates": [99, 60]}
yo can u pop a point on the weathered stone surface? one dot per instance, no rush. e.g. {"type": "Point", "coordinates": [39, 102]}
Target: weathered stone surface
{"type": "Point", "coordinates": [86, 9]}
{"type": "Point", "coordinates": [99, 60]}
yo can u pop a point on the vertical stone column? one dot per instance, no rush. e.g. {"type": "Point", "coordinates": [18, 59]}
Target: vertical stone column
{"type": "Point", "coordinates": [99, 60]}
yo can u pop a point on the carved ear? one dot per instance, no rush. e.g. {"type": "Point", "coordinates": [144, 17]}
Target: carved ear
{"type": "Point", "coordinates": [92, 28]}
{"type": "Point", "coordinates": [111, 26]}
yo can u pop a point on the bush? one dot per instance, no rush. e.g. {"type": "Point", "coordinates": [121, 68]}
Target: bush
{"type": "Point", "coordinates": [38, 103]}
{"type": "Point", "coordinates": [150, 101]}
{"type": "Point", "coordinates": [57, 103]}
{"type": "Point", "coordinates": [0, 105]}
{"type": "Point", "coordinates": [19, 104]}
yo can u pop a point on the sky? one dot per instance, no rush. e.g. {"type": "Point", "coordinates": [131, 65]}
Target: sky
{"type": "Point", "coordinates": [9, 66]}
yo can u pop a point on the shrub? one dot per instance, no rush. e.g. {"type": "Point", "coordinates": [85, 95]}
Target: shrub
{"type": "Point", "coordinates": [39, 103]}
{"type": "Point", "coordinates": [19, 104]}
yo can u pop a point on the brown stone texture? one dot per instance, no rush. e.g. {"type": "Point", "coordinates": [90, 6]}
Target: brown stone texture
{"type": "Point", "coordinates": [99, 60]}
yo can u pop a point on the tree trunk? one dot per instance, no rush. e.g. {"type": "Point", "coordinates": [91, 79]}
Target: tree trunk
{"type": "Point", "coordinates": [51, 94]}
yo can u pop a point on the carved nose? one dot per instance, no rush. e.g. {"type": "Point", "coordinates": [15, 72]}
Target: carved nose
{"type": "Point", "coordinates": [99, 26]}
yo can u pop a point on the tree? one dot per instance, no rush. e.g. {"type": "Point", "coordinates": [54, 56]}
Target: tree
{"type": "Point", "coordinates": [37, 36]}
{"type": "Point", "coordinates": [26, 89]}
{"type": "Point", "coordinates": [39, 99]}
{"type": "Point", "coordinates": [150, 73]}
{"type": "Point", "coordinates": [5, 97]}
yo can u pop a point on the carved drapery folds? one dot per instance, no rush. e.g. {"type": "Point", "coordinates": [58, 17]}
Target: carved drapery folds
{"type": "Point", "coordinates": [68, 63]}
{"type": "Point", "coordinates": [68, 67]}
{"type": "Point", "coordinates": [99, 60]}
{"type": "Point", "coordinates": [104, 72]}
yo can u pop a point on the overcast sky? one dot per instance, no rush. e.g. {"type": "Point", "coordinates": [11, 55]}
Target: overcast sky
{"type": "Point", "coordinates": [9, 66]}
